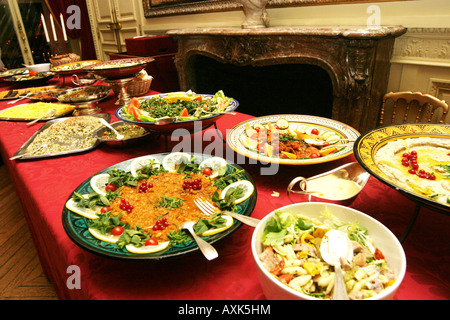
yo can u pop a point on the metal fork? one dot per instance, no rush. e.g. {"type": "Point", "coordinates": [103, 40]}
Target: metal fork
{"type": "Point", "coordinates": [208, 209]}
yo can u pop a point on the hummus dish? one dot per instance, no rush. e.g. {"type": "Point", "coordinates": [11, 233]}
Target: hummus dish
{"type": "Point", "coordinates": [419, 165]}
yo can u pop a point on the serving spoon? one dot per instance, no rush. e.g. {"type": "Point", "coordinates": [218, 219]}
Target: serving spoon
{"type": "Point", "coordinates": [118, 135]}
{"type": "Point", "coordinates": [208, 250]}
{"type": "Point", "coordinates": [165, 120]}
{"type": "Point", "coordinates": [336, 248]}
{"type": "Point", "coordinates": [48, 114]}
{"type": "Point", "coordinates": [28, 153]}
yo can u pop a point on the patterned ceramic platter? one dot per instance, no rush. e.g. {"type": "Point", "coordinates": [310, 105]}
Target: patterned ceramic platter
{"type": "Point", "coordinates": [367, 145]}
{"type": "Point", "coordinates": [76, 226]}
{"type": "Point", "coordinates": [298, 122]}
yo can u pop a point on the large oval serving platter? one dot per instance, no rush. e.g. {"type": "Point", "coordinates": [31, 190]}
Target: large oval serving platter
{"type": "Point", "coordinates": [343, 130]}
{"type": "Point", "coordinates": [189, 125]}
{"type": "Point", "coordinates": [367, 145]}
{"type": "Point", "coordinates": [76, 226]}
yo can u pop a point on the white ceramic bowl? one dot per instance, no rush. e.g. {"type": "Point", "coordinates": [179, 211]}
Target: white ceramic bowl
{"type": "Point", "coordinates": [382, 238]}
{"type": "Point", "coordinates": [41, 67]}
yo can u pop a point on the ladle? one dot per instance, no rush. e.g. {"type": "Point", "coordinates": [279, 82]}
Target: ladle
{"type": "Point", "coordinates": [335, 249]}
{"type": "Point", "coordinates": [118, 135]}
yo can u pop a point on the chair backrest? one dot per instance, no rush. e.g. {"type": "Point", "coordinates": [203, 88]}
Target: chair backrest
{"type": "Point", "coordinates": [410, 106]}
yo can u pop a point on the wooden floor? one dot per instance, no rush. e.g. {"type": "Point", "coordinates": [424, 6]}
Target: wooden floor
{"type": "Point", "coordinates": [21, 276]}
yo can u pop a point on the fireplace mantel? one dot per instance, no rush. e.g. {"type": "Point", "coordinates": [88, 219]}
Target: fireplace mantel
{"type": "Point", "coordinates": [357, 59]}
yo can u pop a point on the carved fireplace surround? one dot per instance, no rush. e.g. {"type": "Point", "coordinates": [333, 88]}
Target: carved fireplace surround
{"type": "Point", "coordinates": [356, 59]}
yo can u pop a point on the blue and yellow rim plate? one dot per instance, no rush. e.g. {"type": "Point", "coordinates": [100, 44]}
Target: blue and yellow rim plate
{"type": "Point", "coordinates": [76, 226]}
{"type": "Point", "coordinates": [367, 145]}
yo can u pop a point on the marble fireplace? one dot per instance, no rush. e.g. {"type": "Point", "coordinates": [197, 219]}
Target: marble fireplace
{"type": "Point", "coordinates": [336, 72]}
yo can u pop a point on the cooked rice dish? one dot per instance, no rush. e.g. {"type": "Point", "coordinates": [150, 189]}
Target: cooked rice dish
{"type": "Point", "coordinates": [71, 134]}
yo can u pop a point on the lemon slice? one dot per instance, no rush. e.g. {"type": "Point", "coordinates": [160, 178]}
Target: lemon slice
{"type": "Point", "coordinates": [175, 96]}
{"type": "Point", "coordinates": [289, 155]}
{"type": "Point", "coordinates": [107, 237]}
{"type": "Point", "coordinates": [217, 165]}
{"type": "Point", "coordinates": [141, 162]}
{"type": "Point", "coordinates": [228, 224]}
{"type": "Point", "coordinates": [171, 161]}
{"type": "Point", "coordinates": [246, 186]}
{"type": "Point", "coordinates": [99, 182]}
{"type": "Point", "coordinates": [268, 150]}
{"type": "Point", "coordinates": [249, 143]}
{"type": "Point", "coordinates": [301, 128]}
{"type": "Point", "coordinates": [293, 129]}
{"type": "Point", "coordinates": [147, 249]}
{"type": "Point", "coordinates": [85, 212]}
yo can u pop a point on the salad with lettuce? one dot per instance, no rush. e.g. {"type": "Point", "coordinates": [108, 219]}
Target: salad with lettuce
{"type": "Point", "coordinates": [292, 254]}
{"type": "Point", "coordinates": [181, 105]}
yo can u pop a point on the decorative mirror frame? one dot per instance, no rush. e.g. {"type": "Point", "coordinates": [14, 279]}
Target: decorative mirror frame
{"type": "Point", "coordinates": [160, 8]}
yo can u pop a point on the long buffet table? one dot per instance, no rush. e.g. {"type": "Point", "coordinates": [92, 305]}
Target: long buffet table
{"type": "Point", "coordinates": [44, 185]}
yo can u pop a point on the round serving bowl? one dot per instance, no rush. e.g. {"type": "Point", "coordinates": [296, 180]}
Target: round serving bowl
{"type": "Point", "coordinates": [41, 67]}
{"type": "Point", "coordinates": [382, 237]}
{"type": "Point", "coordinates": [121, 143]}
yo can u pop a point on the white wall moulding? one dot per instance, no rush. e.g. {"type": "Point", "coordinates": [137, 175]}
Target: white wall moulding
{"type": "Point", "coordinates": [423, 46]}
{"type": "Point", "coordinates": [160, 8]}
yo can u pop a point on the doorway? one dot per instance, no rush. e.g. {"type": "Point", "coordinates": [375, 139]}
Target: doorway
{"type": "Point", "coordinates": [22, 38]}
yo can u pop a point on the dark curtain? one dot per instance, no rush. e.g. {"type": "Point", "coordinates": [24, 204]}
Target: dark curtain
{"type": "Point", "coordinates": [87, 41]}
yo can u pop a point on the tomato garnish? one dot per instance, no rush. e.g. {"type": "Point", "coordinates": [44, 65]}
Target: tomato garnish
{"type": "Point", "coordinates": [151, 242]}
{"type": "Point", "coordinates": [117, 231]}
{"type": "Point", "coordinates": [378, 254]}
{"type": "Point", "coordinates": [105, 209]}
{"type": "Point", "coordinates": [206, 171]}
{"type": "Point", "coordinates": [110, 187]}
{"type": "Point", "coordinates": [315, 131]}
{"type": "Point", "coordinates": [184, 113]}
{"type": "Point", "coordinates": [33, 73]}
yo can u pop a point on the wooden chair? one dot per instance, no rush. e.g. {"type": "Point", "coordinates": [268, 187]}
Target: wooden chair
{"type": "Point", "coordinates": [407, 107]}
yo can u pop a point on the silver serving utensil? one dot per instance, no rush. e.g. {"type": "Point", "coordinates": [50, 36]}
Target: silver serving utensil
{"type": "Point", "coordinates": [28, 153]}
{"type": "Point", "coordinates": [319, 142]}
{"type": "Point", "coordinates": [336, 248]}
{"type": "Point", "coordinates": [208, 209]}
{"type": "Point", "coordinates": [48, 114]}
{"type": "Point", "coordinates": [106, 124]}
{"type": "Point", "coordinates": [208, 250]}
{"type": "Point", "coordinates": [21, 98]}
{"type": "Point", "coordinates": [164, 121]}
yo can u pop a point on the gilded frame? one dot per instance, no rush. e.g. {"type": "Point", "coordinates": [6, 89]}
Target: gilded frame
{"type": "Point", "coordinates": [161, 8]}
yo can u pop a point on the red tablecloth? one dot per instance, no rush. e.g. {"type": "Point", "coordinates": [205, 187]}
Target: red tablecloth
{"type": "Point", "coordinates": [44, 185]}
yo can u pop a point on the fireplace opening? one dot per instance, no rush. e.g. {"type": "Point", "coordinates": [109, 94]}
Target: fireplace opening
{"type": "Point", "coordinates": [288, 88]}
